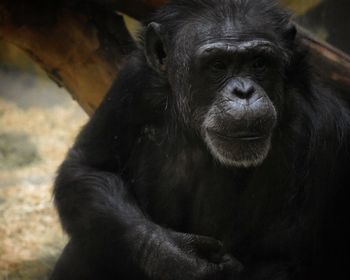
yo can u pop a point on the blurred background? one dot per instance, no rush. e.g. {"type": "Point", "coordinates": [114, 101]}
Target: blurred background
{"type": "Point", "coordinates": [38, 123]}
{"type": "Point", "coordinates": [327, 19]}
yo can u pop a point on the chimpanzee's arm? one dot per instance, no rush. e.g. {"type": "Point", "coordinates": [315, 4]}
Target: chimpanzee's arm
{"type": "Point", "coordinates": [93, 201]}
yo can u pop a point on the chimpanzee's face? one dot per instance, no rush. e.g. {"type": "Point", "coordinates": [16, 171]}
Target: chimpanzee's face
{"type": "Point", "coordinates": [233, 84]}
{"type": "Point", "coordinates": [227, 83]}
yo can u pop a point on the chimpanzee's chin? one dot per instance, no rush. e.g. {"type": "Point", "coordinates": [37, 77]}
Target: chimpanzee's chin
{"type": "Point", "coordinates": [239, 150]}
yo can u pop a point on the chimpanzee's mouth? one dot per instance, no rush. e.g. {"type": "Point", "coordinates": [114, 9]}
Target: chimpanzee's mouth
{"type": "Point", "coordinates": [240, 136]}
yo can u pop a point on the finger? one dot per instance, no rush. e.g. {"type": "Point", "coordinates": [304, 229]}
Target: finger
{"type": "Point", "coordinates": [210, 271]}
{"type": "Point", "coordinates": [209, 248]}
{"type": "Point", "coordinates": [231, 266]}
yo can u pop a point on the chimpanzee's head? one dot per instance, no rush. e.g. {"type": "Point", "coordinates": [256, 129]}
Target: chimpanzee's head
{"type": "Point", "coordinates": [225, 61]}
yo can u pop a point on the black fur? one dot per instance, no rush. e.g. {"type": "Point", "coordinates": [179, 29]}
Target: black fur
{"type": "Point", "coordinates": [142, 197]}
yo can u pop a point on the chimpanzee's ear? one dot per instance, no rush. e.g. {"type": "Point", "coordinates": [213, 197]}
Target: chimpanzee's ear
{"type": "Point", "coordinates": [290, 32]}
{"type": "Point", "coordinates": [154, 48]}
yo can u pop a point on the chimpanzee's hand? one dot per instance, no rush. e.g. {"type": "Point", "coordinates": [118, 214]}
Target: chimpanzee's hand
{"type": "Point", "coordinates": [169, 255]}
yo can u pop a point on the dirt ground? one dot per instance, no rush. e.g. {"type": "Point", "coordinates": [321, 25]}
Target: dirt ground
{"type": "Point", "coordinates": [38, 123]}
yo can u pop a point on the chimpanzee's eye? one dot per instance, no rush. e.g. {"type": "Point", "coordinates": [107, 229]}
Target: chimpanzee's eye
{"type": "Point", "coordinates": [218, 65]}
{"type": "Point", "coordinates": [260, 65]}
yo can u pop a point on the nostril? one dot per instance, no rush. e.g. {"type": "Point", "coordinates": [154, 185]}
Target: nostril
{"type": "Point", "coordinates": [250, 91]}
{"type": "Point", "coordinates": [244, 92]}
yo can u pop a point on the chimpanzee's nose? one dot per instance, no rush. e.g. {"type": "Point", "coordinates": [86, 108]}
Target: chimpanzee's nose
{"type": "Point", "coordinates": [243, 89]}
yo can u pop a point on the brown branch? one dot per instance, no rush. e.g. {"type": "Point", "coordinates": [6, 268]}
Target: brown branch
{"type": "Point", "coordinates": [81, 51]}
{"type": "Point", "coordinates": [332, 64]}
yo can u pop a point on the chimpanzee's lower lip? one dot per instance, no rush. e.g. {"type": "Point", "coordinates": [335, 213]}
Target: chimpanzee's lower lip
{"type": "Point", "coordinates": [242, 136]}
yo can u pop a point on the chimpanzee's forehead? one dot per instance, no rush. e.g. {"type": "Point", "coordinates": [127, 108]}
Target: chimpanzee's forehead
{"type": "Point", "coordinates": [235, 47]}
{"type": "Point", "coordinates": [227, 30]}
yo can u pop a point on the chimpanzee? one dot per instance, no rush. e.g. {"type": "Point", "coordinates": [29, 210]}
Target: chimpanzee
{"type": "Point", "coordinates": [215, 155]}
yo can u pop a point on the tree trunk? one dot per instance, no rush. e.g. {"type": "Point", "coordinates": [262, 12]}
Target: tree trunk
{"type": "Point", "coordinates": [81, 48]}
